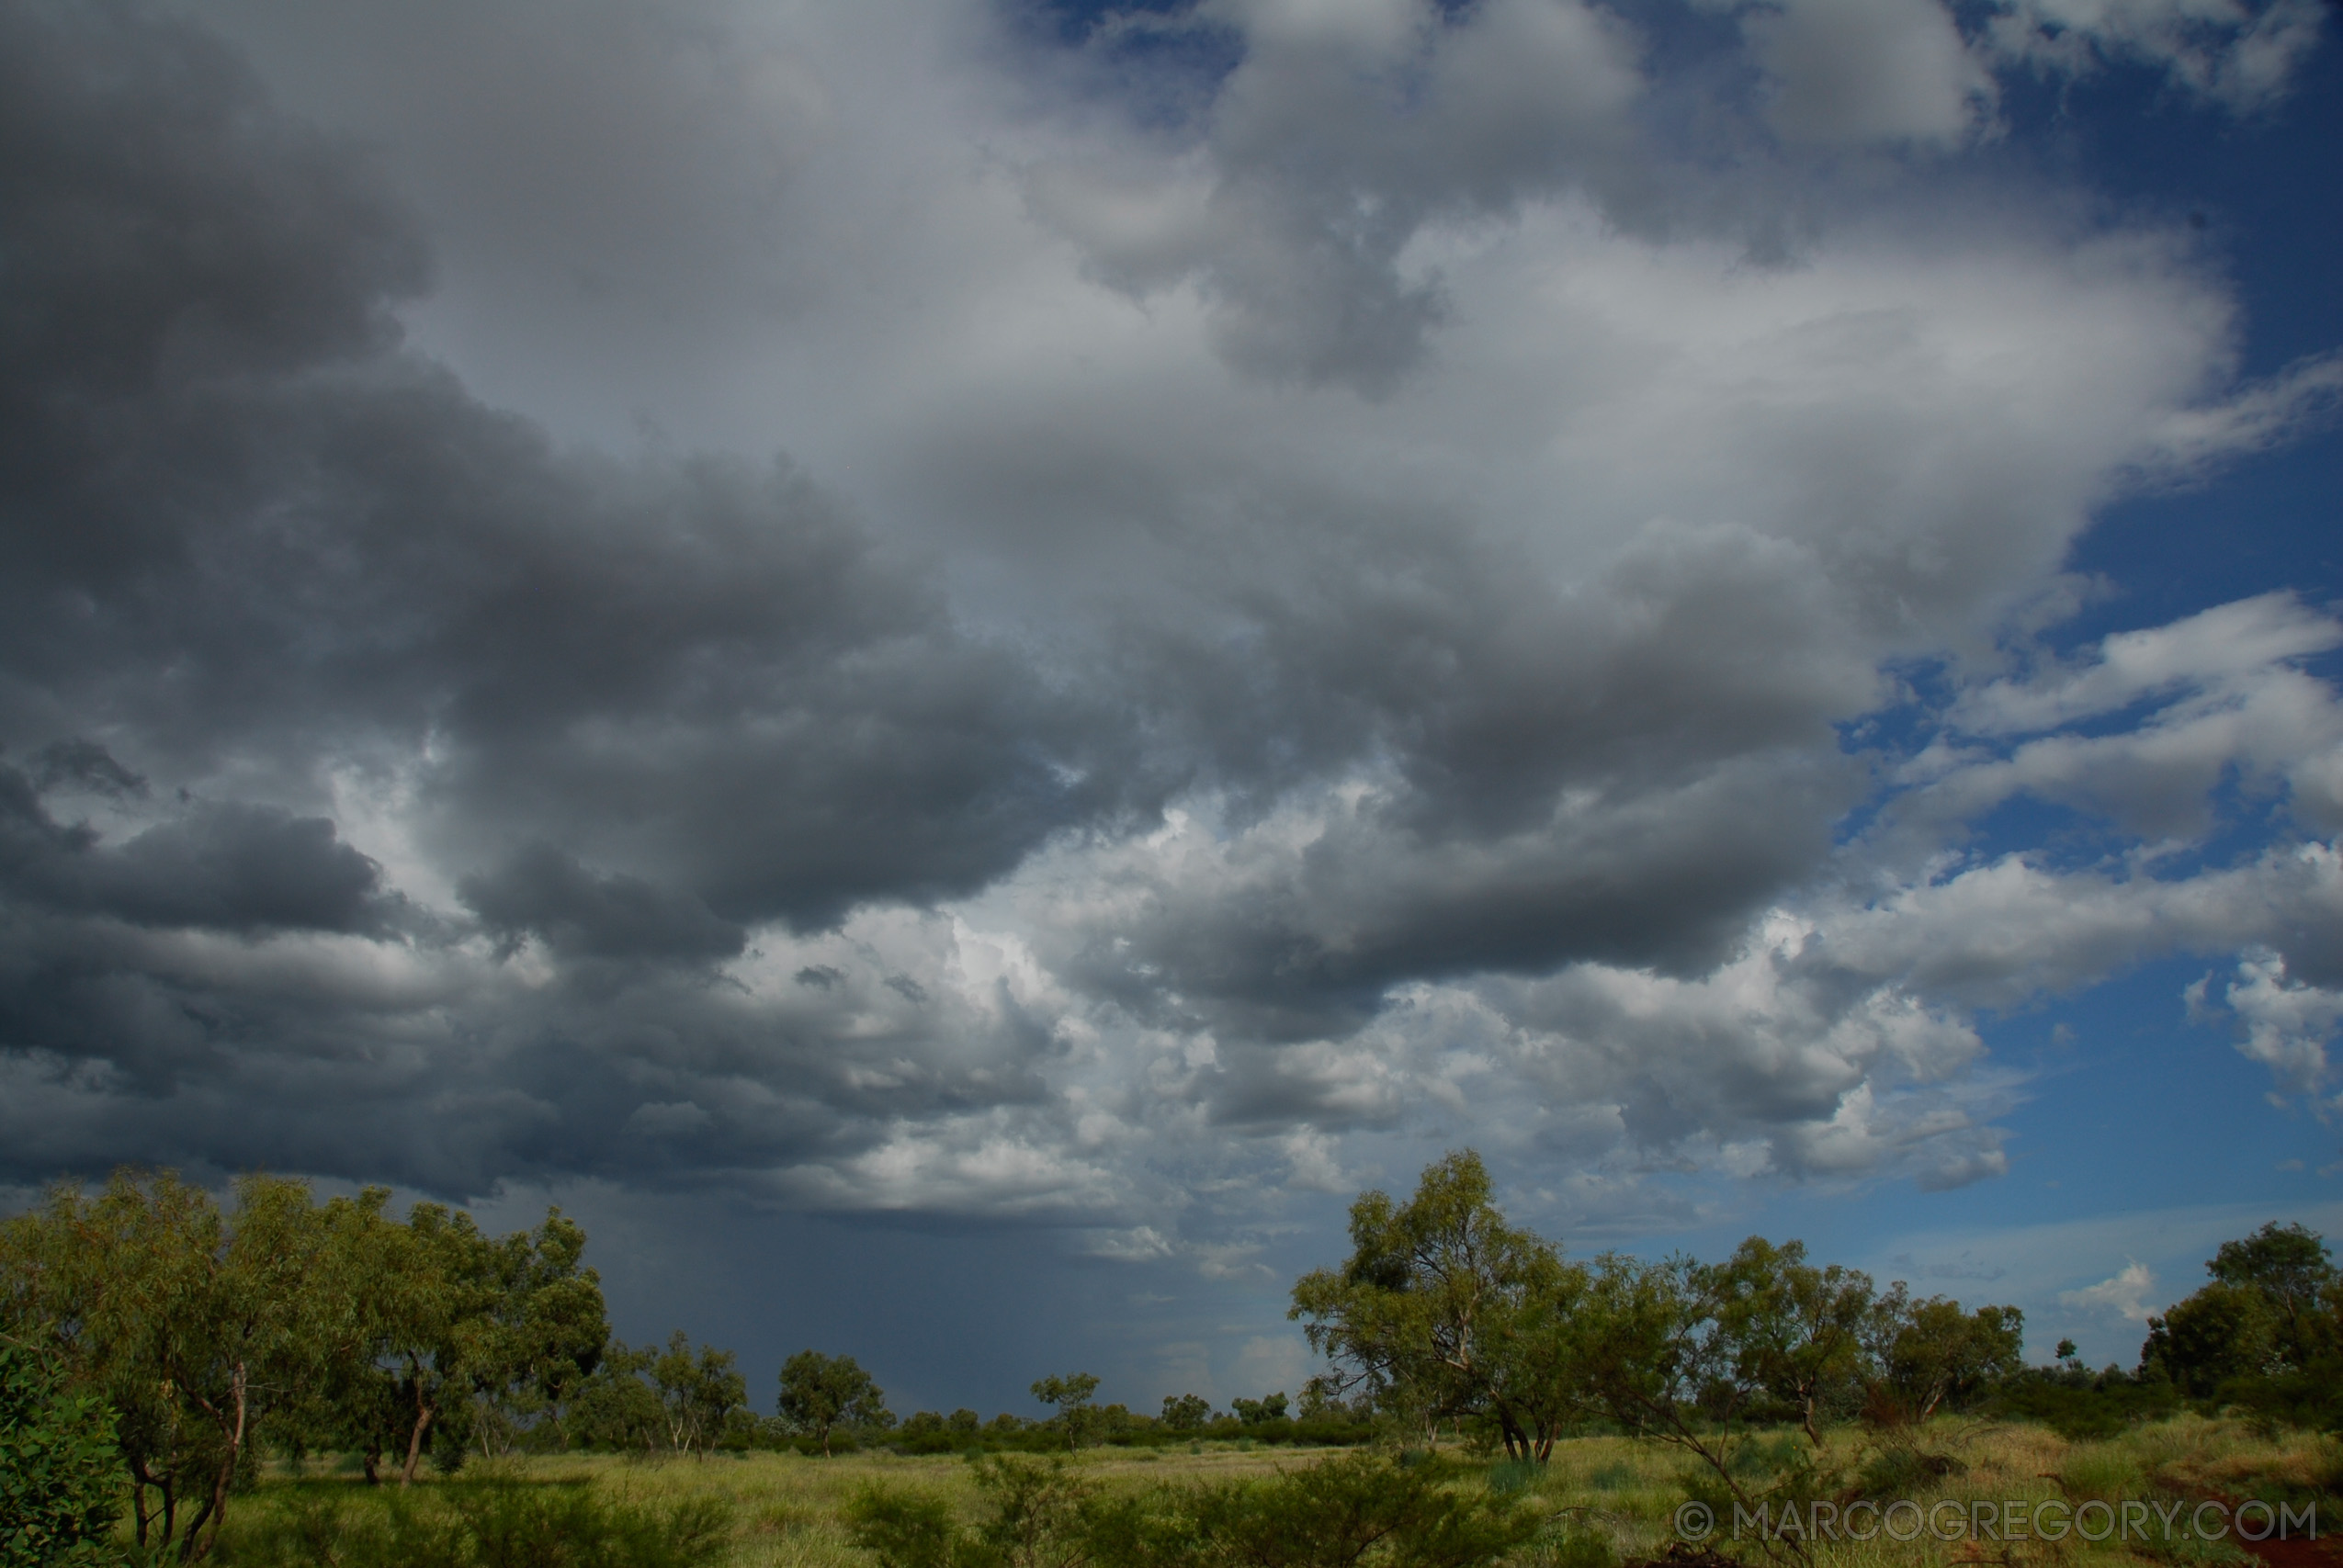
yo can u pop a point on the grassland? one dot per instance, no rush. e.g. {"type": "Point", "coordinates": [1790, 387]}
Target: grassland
{"type": "Point", "coordinates": [1608, 1499]}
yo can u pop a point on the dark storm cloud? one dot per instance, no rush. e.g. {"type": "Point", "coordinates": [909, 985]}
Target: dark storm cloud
{"type": "Point", "coordinates": [222, 867]}
{"type": "Point", "coordinates": [236, 519]}
{"type": "Point", "coordinates": [1604, 775]}
{"type": "Point", "coordinates": [638, 710]}
{"type": "Point", "coordinates": [391, 792]}
{"type": "Point", "coordinates": [261, 550]}
{"type": "Point", "coordinates": [543, 892]}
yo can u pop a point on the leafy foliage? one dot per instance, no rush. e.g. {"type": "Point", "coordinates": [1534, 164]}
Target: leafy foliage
{"type": "Point", "coordinates": [1186, 1411]}
{"type": "Point", "coordinates": [696, 1394]}
{"type": "Point", "coordinates": [1930, 1355]}
{"type": "Point", "coordinates": [1071, 1395]}
{"type": "Point", "coordinates": [497, 1524]}
{"type": "Point", "coordinates": [820, 1394]}
{"type": "Point", "coordinates": [1444, 1311]}
{"type": "Point", "coordinates": [2265, 1332]}
{"type": "Point", "coordinates": [59, 1495]}
{"type": "Point", "coordinates": [1357, 1511]}
{"type": "Point", "coordinates": [189, 1324]}
{"type": "Point", "coordinates": [207, 1333]}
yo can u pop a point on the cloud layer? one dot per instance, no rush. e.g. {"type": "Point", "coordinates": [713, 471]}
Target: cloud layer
{"type": "Point", "coordinates": [1340, 581]}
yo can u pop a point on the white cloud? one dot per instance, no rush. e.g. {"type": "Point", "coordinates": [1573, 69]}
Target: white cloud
{"type": "Point", "coordinates": [2288, 1023]}
{"type": "Point", "coordinates": [2239, 54]}
{"type": "Point", "coordinates": [2127, 1293]}
{"type": "Point", "coordinates": [1471, 752]}
{"type": "Point", "coordinates": [1269, 1363]}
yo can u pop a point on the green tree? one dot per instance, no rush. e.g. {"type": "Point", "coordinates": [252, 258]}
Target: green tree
{"type": "Point", "coordinates": [550, 1326]}
{"type": "Point", "coordinates": [1930, 1354]}
{"type": "Point", "coordinates": [193, 1324]}
{"type": "Point", "coordinates": [820, 1394]}
{"type": "Point", "coordinates": [1644, 1346]}
{"type": "Point", "coordinates": [1787, 1329]}
{"type": "Point", "coordinates": [1445, 1311]}
{"type": "Point", "coordinates": [2265, 1319]}
{"type": "Point", "coordinates": [2290, 1266]}
{"type": "Point", "coordinates": [696, 1392]}
{"type": "Point", "coordinates": [616, 1407]}
{"type": "Point", "coordinates": [1071, 1395]}
{"type": "Point", "coordinates": [464, 1321]}
{"type": "Point", "coordinates": [2222, 1334]}
{"type": "Point", "coordinates": [1186, 1411]}
{"type": "Point", "coordinates": [1259, 1412]}
{"type": "Point", "coordinates": [60, 1491]}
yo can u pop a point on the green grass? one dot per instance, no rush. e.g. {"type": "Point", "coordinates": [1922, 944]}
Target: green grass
{"type": "Point", "coordinates": [1607, 1500]}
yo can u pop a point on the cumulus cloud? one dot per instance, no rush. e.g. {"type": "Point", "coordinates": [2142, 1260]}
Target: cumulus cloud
{"type": "Point", "coordinates": [2127, 1293]}
{"type": "Point", "coordinates": [1341, 132]}
{"type": "Point", "coordinates": [2288, 1023]}
{"type": "Point", "coordinates": [1126, 776]}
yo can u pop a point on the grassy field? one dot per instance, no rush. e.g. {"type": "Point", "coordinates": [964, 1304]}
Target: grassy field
{"type": "Point", "coordinates": [1607, 1498]}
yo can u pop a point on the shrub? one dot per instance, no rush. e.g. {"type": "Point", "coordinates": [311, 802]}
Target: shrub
{"type": "Point", "coordinates": [493, 1524]}
{"type": "Point", "coordinates": [58, 1466]}
{"type": "Point", "coordinates": [1359, 1509]}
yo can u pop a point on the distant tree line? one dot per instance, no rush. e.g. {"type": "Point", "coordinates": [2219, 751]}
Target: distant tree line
{"type": "Point", "coordinates": [148, 1333]}
{"type": "Point", "coordinates": [178, 1342]}
{"type": "Point", "coordinates": [2265, 1336]}
{"type": "Point", "coordinates": [1447, 1316]}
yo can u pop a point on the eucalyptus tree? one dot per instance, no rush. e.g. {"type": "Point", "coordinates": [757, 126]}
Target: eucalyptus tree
{"type": "Point", "coordinates": [1071, 1396]}
{"type": "Point", "coordinates": [2269, 1323]}
{"type": "Point", "coordinates": [1927, 1355]}
{"type": "Point", "coordinates": [1444, 1311]}
{"type": "Point", "coordinates": [1788, 1329]}
{"type": "Point", "coordinates": [193, 1324]}
{"type": "Point", "coordinates": [1186, 1411]}
{"type": "Point", "coordinates": [466, 1317]}
{"type": "Point", "coordinates": [696, 1393]}
{"type": "Point", "coordinates": [820, 1394]}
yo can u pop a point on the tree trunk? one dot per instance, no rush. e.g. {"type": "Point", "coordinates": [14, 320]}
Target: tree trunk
{"type": "Point", "coordinates": [424, 1411]}
{"type": "Point", "coordinates": [139, 1480]}
{"type": "Point", "coordinates": [214, 1511]}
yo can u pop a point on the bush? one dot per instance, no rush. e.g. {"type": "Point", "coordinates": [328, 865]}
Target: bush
{"type": "Point", "coordinates": [59, 1495]}
{"type": "Point", "coordinates": [1359, 1509]}
{"type": "Point", "coordinates": [1899, 1470]}
{"type": "Point", "coordinates": [491, 1524]}
{"type": "Point", "coordinates": [903, 1530]}
{"type": "Point", "coordinates": [2082, 1405]}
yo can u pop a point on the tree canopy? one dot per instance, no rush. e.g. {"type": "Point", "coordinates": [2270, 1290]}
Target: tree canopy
{"type": "Point", "coordinates": [819, 1393]}
{"type": "Point", "coordinates": [202, 1329]}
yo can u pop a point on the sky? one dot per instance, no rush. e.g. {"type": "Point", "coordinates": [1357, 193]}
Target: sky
{"type": "Point", "coordinates": [953, 666]}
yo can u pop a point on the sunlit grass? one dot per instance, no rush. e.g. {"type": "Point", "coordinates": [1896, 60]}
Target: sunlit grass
{"type": "Point", "coordinates": [1608, 1499]}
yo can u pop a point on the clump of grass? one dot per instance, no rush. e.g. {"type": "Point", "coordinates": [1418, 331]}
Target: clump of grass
{"type": "Point", "coordinates": [1572, 1543]}
{"type": "Point", "coordinates": [1904, 1471]}
{"type": "Point", "coordinates": [1761, 1458]}
{"type": "Point", "coordinates": [1613, 1476]}
{"type": "Point", "coordinates": [2107, 1471]}
{"type": "Point", "coordinates": [1510, 1477]}
{"type": "Point", "coordinates": [500, 1523]}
